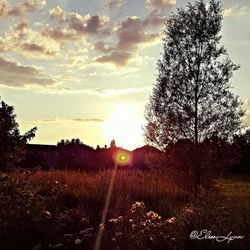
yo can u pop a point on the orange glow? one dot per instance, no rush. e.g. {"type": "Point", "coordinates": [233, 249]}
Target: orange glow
{"type": "Point", "coordinates": [122, 158]}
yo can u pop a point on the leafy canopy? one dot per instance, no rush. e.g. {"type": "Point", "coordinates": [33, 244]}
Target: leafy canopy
{"type": "Point", "coordinates": [12, 144]}
{"type": "Point", "coordinates": [192, 96]}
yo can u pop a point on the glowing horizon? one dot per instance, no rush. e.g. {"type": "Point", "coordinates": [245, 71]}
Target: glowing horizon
{"type": "Point", "coordinates": [91, 79]}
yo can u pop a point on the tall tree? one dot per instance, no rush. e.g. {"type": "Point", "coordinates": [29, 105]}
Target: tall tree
{"type": "Point", "coordinates": [12, 144]}
{"type": "Point", "coordinates": [192, 96]}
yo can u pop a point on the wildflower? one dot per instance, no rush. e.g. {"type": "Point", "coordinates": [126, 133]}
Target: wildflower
{"type": "Point", "coordinates": [84, 220]}
{"type": "Point", "coordinates": [188, 210]}
{"type": "Point", "coordinates": [113, 239]}
{"type": "Point", "coordinates": [137, 205]}
{"type": "Point", "coordinates": [46, 214]}
{"type": "Point", "coordinates": [153, 216]}
{"type": "Point", "coordinates": [131, 220]}
{"type": "Point", "coordinates": [114, 220]}
{"type": "Point", "coordinates": [78, 242]}
{"type": "Point", "coordinates": [133, 226]}
{"type": "Point", "coordinates": [57, 182]}
{"type": "Point", "coordinates": [171, 220]}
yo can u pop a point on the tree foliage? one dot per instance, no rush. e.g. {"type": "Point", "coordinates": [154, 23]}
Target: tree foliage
{"type": "Point", "coordinates": [192, 97]}
{"type": "Point", "coordinates": [73, 143]}
{"type": "Point", "coordinates": [12, 144]}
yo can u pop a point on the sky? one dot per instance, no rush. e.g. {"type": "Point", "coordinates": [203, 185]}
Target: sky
{"type": "Point", "coordinates": [85, 68]}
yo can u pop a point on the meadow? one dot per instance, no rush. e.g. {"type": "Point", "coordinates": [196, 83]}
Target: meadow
{"type": "Point", "coordinates": [63, 209]}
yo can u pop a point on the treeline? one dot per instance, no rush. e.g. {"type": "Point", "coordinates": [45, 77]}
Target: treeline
{"type": "Point", "coordinates": [75, 155]}
{"type": "Point", "coordinates": [216, 154]}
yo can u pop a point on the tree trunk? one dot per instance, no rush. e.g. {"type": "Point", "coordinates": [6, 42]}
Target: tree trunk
{"type": "Point", "coordinates": [196, 142]}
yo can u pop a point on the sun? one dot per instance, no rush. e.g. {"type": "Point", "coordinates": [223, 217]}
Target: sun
{"type": "Point", "coordinates": [124, 125]}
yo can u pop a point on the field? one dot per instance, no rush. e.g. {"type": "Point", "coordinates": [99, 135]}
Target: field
{"type": "Point", "coordinates": [63, 210]}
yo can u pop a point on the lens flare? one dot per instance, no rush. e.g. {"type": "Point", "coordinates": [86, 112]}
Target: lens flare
{"type": "Point", "coordinates": [122, 158]}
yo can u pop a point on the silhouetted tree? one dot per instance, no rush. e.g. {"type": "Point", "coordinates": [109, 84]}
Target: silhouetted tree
{"type": "Point", "coordinates": [72, 142]}
{"type": "Point", "coordinates": [192, 96]}
{"type": "Point", "coordinates": [12, 144]}
{"type": "Point", "coordinates": [242, 143]}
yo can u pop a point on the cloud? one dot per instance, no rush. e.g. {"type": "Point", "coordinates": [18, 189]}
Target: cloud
{"type": "Point", "coordinates": [114, 4]}
{"type": "Point", "coordinates": [28, 42]}
{"type": "Point", "coordinates": [154, 20]}
{"type": "Point", "coordinates": [3, 47]}
{"type": "Point", "coordinates": [88, 120]}
{"type": "Point", "coordinates": [37, 48]}
{"type": "Point", "coordinates": [130, 34]}
{"type": "Point", "coordinates": [118, 91]}
{"type": "Point", "coordinates": [12, 74]}
{"type": "Point", "coordinates": [91, 25]}
{"type": "Point", "coordinates": [60, 120]}
{"type": "Point", "coordinates": [60, 34]}
{"type": "Point", "coordinates": [102, 47]}
{"type": "Point", "coordinates": [6, 10]}
{"type": "Point", "coordinates": [119, 58]}
{"type": "Point", "coordinates": [236, 11]}
{"type": "Point", "coordinates": [160, 4]}
{"type": "Point", "coordinates": [75, 59]}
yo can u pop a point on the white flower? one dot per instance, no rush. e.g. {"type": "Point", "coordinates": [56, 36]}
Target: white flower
{"type": "Point", "coordinates": [78, 242]}
{"type": "Point", "coordinates": [171, 220]}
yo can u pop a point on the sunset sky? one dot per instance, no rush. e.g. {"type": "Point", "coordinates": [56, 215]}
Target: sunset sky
{"type": "Point", "coordinates": [85, 68]}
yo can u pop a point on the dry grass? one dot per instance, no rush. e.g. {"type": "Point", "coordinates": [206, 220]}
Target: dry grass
{"type": "Point", "coordinates": [162, 195]}
{"type": "Point", "coordinates": [147, 211]}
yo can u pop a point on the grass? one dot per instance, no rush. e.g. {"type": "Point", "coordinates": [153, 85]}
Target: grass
{"type": "Point", "coordinates": [62, 210]}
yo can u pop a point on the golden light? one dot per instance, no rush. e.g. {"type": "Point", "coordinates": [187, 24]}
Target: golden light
{"type": "Point", "coordinates": [122, 158]}
{"type": "Point", "coordinates": [124, 125]}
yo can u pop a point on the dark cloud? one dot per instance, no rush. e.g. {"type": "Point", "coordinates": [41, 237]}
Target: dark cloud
{"type": "Point", "coordinates": [119, 58]}
{"type": "Point", "coordinates": [37, 48]}
{"type": "Point", "coordinates": [83, 25]}
{"type": "Point", "coordinates": [59, 34]}
{"type": "Point", "coordinates": [102, 47]}
{"type": "Point", "coordinates": [28, 42]}
{"type": "Point", "coordinates": [15, 75]}
{"type": "Point", "coordinates": [6, 10]}
{"type": "Point", "coordinates": [22, 25]}
{"type": "Point", "coordinates": [130, 33]}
